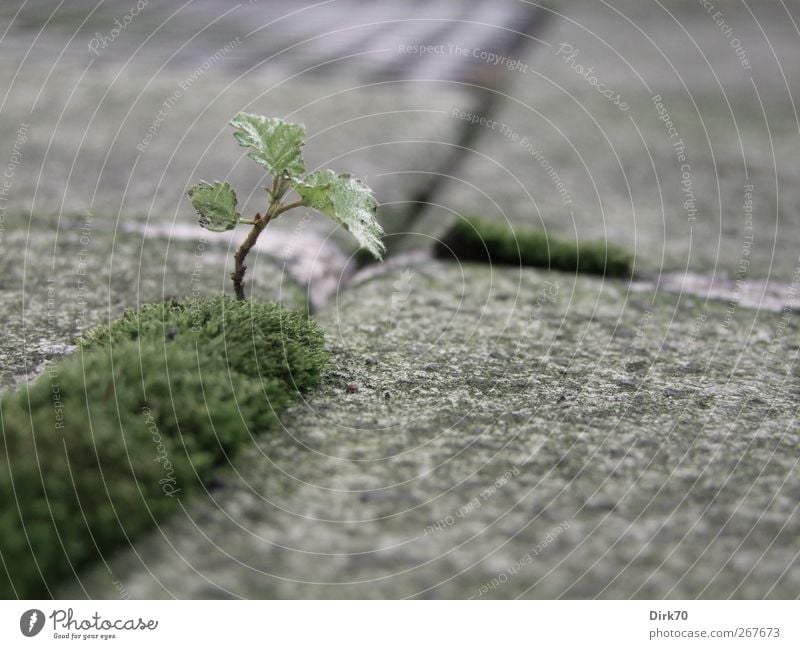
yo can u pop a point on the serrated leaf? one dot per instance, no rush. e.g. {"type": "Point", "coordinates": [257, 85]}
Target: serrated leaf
{"type": "Point", "coordinates": [347, 201]}
{"type": "Point", "coordinates": [216, 205]}
{"type": "Point", "coordinates": [275, 144]}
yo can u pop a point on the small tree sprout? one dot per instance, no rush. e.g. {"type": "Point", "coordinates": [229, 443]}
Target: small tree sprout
{"type": "Point", "coordinates": [276, 145]}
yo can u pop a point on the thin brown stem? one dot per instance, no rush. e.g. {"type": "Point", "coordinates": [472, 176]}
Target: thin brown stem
{"type": "Point", "coordinates": [239, 266]}
{"type": "Point", "coordinates": [287, 207]}
{"type": "Point", "coordinates": [279, 188]}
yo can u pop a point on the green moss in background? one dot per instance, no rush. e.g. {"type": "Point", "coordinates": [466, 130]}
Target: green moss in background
{"type": "Point", "coordinates": [106, 442]}
{"type": "Point", "coordinates": [472, 239]}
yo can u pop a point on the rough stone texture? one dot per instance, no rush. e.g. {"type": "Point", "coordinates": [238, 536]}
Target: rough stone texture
{"type": "Point", "coordinates": [57, 282]}
{"type": "Point", "coordinates": [739, 126]}
{"type": "Point", "coordinates": [87, 116]}
{"type": "Point", "coordinates": [94, 165]}
{"type": "Point", "coordinates": [651, 440]}
{"type": "Point", "coordinates": [654, 442]}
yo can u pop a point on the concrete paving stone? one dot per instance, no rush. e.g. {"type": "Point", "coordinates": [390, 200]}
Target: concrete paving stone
{"type": "Point", "coordinates": [620, 169]}
{"type": "Point", "coordinates": [60, 280]}
{"type": "Point", "coordinates": [80, 150]}
{"type": "Point", "coordinates": [502, 443]}
{"type": "Point", "coordinates": [125, 129]}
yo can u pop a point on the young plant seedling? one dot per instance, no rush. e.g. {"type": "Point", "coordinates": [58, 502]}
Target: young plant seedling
{"type": "Point", "coordinates": [276, 145]}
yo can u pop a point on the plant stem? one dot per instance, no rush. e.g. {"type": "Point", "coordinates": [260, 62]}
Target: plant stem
{"type": "Point", "coordinates": [239, 267]}
{"type": "Point", "coordinates": [288, 206]}
{"type": "Point", "coordinates": [275, 209]}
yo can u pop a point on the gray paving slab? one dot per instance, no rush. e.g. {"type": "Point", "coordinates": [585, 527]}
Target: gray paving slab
{"type": "Point", "coordinates": [514, 434]}
{"type": "Point", "coordinates": [122, 131]}
{"type": "Point", "coordinates": [717, 193]}
{"type": "Point", "coordinates": [120, 126]}
{"type": "Point", "coordinates": [60, 280]}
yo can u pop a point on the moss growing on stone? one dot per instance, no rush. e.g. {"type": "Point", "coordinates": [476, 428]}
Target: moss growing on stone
{"type": "Point", "coordinates": [472, 239]}
{"type": "Point", "coordinates": [106, 442]}
{"type": "Point", "coordinates": [259, 339]}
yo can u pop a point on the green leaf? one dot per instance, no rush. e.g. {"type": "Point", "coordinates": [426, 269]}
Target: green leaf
{"type": "Point", "coordinates": [347, 201]}
{"type": "Point", "coordinates": [216, 205]}
{"type": "Point", "coordinates": [275, 143]}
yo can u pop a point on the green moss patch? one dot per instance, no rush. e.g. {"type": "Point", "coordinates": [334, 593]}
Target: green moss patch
{"type": "Point", "coordinates": [472, 239]}
{"type": "Point", "coordinates": [106, 442]}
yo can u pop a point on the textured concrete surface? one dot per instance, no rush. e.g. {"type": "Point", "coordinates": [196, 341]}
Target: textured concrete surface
{"type": "Point", "coordinates": [125, 128]}
{"type": "Point", "coordinates": [59, 281]}
{"type": "Point", "coordinates": [626, 447]}
{"type": "Point", "coordinates": [80, 152]}
{"type": "Point", "coordinates": [514, 433]}
{"type": "Point", "coordinates": [621, 169]}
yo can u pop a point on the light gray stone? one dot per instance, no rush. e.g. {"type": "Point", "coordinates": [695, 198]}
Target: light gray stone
{"type": "Point", "coordinates": [598, 445]}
